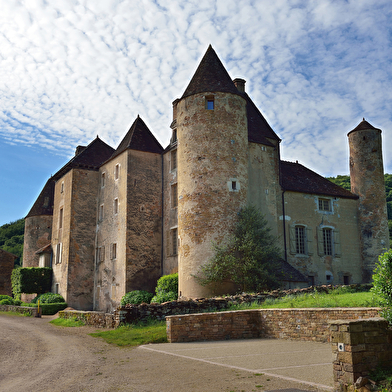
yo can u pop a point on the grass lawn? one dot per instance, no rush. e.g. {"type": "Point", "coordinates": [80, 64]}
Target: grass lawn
{"type": "Point", "coordinates": [336, 298]}
{"type": "Point", "coordinates": [135, 335]}
{"type": "Point", "coordinates": [60, 322]}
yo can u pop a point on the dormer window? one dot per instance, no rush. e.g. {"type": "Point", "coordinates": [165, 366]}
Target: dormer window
{"type": "Point", "coordinates": [210, 103]}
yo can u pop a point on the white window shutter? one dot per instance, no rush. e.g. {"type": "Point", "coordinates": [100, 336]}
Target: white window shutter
{"type": "Point", "coordinates": [292, 240]}
{"type": "Point", "coordinates": [320, 241]}
{"type": "Point", "coordinates": [336, 243]}
{"type": "Point", "coordinates": [309, 240]}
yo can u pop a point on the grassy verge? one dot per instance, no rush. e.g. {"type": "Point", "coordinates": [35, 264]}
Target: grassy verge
{"type": "Point", "coordinates": [60, 322]}
{"type": "Point", "coordinates": [15, 314]}
{"type": "Point", "coordinates": [135, 335]}
{"type": "Point", "coordinates": [317, 300]}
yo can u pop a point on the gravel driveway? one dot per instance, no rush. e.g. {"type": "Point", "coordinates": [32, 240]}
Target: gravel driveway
{"type": "Point", "coordinates": [38, 356]}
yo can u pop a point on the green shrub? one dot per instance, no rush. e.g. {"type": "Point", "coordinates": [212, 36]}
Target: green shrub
{"type": "Point", "coordinates": [2, 296]}
{"type": "Point", "coordinates": [7, 301]}
{"type": "Point", "coordinates": [17, 302]}
{"type": "Point", "coordinates": [167, 283]}
{"type": "Point", "coordinates": [165, 297]}
{"type": "Point", "coordinates": [167, 289]}
{"type": "Point", "coordinates": [31, 280]}
{"type": "Point", "coordinates": [136, 297]}
{"type": "Point", "coordinates": [48, 298]}
{"type": "Point", "coordinates": [382, 283]}
{"type": "Point", "coordinates": [52, 308]}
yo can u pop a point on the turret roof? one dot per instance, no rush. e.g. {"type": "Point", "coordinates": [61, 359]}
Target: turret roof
{"type": "Point", "coordinates": [259, 131]}
{"type": "Point", "coordinates": [90, 157]}
{"type": "Point", "coordinates": [139, 137]}
{"type": "Point", "coordinates": [298, 178]}
{"type": "Point", "coordinates": [363, 125]}
{"type": "Point", "coordinates": [44, 203]}
{"type": "Point", "coordinates": [210, 76]}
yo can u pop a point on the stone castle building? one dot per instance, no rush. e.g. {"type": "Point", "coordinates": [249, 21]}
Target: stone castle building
{"type": "Point", "coordinates": [115, 220]}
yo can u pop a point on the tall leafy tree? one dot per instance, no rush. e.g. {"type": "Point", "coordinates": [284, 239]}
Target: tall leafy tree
{"type": "Point", "coordinates": [249, 257]}
{"type": "Point", "coordinates": [11, 239]}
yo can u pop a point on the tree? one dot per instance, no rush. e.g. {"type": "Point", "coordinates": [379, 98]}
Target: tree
{"type": "Point", "coordinates": [382, 283]}
{"type": "Point", "coordinates": [249, 257]}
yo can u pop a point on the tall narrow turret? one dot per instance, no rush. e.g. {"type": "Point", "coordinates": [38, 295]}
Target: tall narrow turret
{"type": "Point", "coordinates": [367, 181]}
{"type": "Point", "coordinates": [212, 134]}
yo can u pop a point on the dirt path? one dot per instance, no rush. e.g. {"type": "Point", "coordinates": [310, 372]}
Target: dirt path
{"type": "Point", "coordinates": [37, 356]}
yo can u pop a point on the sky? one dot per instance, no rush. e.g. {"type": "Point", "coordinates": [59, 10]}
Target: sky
{"type": "Point", "coordinates": [71, 70]}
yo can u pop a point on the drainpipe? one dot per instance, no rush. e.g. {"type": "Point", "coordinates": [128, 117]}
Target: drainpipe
{"type": "Point", "coordinates": [162, 214]}
{"type": "Point", "coordinates": [284, 226]}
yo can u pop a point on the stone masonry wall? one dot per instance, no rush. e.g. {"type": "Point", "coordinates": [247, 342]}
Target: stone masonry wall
{"type": "Point", "coordinates": [359, 346]}
{"type": "Point", "coordinates": [295, 324]}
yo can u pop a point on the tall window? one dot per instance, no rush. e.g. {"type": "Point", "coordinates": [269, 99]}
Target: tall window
{"type": "Point", "coordinates": [300, 240]}
{"type": "Point", "coordinates": [59, 248]}
{"type": "Point", "coordinates": [324, 205]}
{"type": "Point", "coordinates": [210, 104]}
{"type": "Point", "coordinates": [327, 241]}
{"type": "Point", "coordinates": [174, 242]}
{"type": "Point", "coordinates": [103, 179]}
{"type": "Point", "coordinates": [117, 171]}
{"type": "Point", "coordinates": [100, 214]}
{"type": "Point", "coordinates": [173, 160]}
{"type": "Point", "coordinates": [61, 218]}
{"type": "Point", "coordinates": [174, 200]}
{"type": "Point", "coordinates": [113, 251]}
{"type": "Point", "coordinates": [115, 206]}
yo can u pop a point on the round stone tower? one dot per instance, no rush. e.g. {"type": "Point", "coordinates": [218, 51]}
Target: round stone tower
{"type": "Point", "coordinates": [367, 181]}
{"type": "Point", "coordinates": [212, 169]}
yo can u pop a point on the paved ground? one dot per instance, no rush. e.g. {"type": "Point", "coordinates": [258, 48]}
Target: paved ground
{"type": "Point", "coordinates": [36, 356]}
{"type": "Point", "coordinates": [306, 362]}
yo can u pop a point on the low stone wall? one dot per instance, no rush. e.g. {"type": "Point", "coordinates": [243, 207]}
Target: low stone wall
{"type": "Point", "coordinates": [295, 324]}
{"type": "Point", "coordinates": [359, 346]}
{"type": "Point", "coordinates": [19, 309]}
{"type": "Point", "coordinates": [96, 319]}
{"type": "Point", "coordinates": [131, 313]}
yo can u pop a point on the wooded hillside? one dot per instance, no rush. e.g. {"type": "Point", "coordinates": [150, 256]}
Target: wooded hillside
{"type": "Point", "coordinates": [11, 239]}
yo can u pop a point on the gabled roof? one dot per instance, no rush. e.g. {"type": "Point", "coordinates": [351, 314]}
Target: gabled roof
{"type": "Point", "coordinates": [363, 125]}
{"type": "Point", "coordinates": [44, 203]}
{"type": "Point", "coordinates": [90, 157]}
{"type": "Point", "coordinates": [286, 272]}
{"type": "Point", "coordinates": [210, 76]}
{"type": "Point", "coordinates": [297, 178]}
{"type": "Point", "coordinates": [259, 131]}
{"type": "Point", "coordinates": [139, 137]}
{"type": "Point", "coordinates": [8, 253]}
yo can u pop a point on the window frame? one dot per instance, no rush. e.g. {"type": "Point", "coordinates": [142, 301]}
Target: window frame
{"type": "Point", "coordinates": [322, 202]}
{"type": "Point", "coordinates": [307, 240]}
{"type": "Point", "coordinates": [117, 171]}
{"type": "Point", "coordinates": [174, 195]}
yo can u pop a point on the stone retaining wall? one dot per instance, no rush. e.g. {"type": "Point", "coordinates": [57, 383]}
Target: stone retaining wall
{"type": "Point", "coordinates": [19, 309]}
{"type": "Point", "coordinates": [359, 346]}
{"type": "Point", "coordinates": [296, 324]}
{"type": "Point", "coordinates": [96, 319]}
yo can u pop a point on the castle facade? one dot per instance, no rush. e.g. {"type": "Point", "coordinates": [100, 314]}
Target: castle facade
{"type": "Point", "coordinates": [114, 220]}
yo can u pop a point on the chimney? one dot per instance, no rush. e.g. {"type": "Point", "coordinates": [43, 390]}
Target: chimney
{"type": "Point", "coordinates": [175, 102]}
{"type": "Point", "coordinates": [79, 149]}
{"type": "Point", "coordinates": [240, 84]}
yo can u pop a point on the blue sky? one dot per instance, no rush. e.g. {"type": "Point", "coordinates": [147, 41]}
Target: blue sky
{"type": "Point", "coordinates": [71, 70]}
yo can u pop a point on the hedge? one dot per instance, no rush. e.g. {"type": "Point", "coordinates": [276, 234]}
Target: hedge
{"type": "Point", "coordinates": [31, 280]}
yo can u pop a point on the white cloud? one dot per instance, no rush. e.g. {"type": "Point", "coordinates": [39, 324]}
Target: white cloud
{"type": "Point", "coordinates": [75, 69]}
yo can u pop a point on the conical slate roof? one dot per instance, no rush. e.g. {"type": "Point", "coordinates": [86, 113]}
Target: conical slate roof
{"type": "Point", "coordinates": [44, 203]}
{"type": "Point", "coordinates": [90, 157]}
{"type": "Point", "coordinates": [364, 125]}
{"type": "Point", "coordinates": [139, 137]}
{"type": "Point", "coordinates": [210, 76]}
